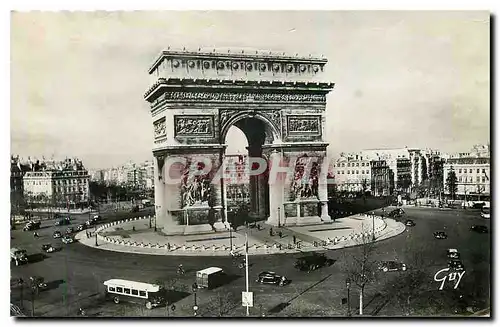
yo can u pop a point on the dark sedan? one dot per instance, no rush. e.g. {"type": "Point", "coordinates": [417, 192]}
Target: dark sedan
{"type": "Point", "coordinates": [456, 265]}
{"type": "Point", "coordinates": [410, 223]}
{"type": "Point", "coordinates": [479, 228]}
{"type": "Point", "coordinates": [440, 235]}
{"type": "Point", "coordinates": [268, 277]}
{"type": "Point", "coordinates": [386, 266]}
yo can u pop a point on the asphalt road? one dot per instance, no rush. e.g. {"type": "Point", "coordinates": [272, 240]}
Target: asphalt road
{"type": "Point", "coordinates": [75, 275]}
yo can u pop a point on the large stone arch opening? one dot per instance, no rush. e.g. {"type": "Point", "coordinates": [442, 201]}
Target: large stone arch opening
{"type": "Point", "coordinates": [260, 132]}
{"type": "Point", "coordinates": [275, 100]}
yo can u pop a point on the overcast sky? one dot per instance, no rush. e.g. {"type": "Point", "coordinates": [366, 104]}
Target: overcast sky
{"type": "Point", "coordinates": [419, 79]}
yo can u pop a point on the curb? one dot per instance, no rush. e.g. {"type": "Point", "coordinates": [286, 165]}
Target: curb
{"type": "Point", "coordinates": [116, 245]}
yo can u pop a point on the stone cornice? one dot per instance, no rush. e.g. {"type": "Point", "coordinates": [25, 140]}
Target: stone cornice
{"type": "Point", "coordinates": [175, 84]}
{"type": "Point", "coordinates": [257, 56]}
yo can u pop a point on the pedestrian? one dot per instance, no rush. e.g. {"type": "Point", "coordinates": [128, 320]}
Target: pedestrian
{"type": "Point", "coordinates": [280, 234]}
{"type": "Point", "coordinates": [294, 240]}
{"type": "Point", "coordinates": [168, 246]}
{"type": "Point", "coordinates": [271, 232]}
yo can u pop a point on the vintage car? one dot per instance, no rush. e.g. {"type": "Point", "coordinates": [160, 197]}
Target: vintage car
{"type": "Point", "coordinates": [440, 235]}
{"type": "Point", "coordinates": [67, 239]}
{"type": "Point", "coordinates": [456, 265]}
{"type": "Point", "coordinates": [410, 223]}
{"type": "Point", "coordinates": [453, 254]}
{"type": "Point", "coordinates": [48, 248]}
{"type": "Point", "coordinates": [57, 234]}
{"type": "Point", "coordinates": [479, 228]}
{"type": "Point", "coordinates": [269, 277]}
{"type": "Point", "coordinates": [38, 284]}
{"type": "Point", "coordinates": [19, 256]}
{"type": "Point", "coordinates": [81, 227]}
{"type": "Point", "coordinates": [32, 225]}
{"type": "Point", "coordinates": [386, 266]}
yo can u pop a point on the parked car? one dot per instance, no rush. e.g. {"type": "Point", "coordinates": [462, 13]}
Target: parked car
{"type": "Point", "coordinates": [396, 213]}
{"type": "Point", "coordinates": [32, 225]}
{"type": "Point", "coordinates": [134, 209]}
{"type": "Point", "coordinates": [19, 256]}
{"type": "Point", "coordinates": [68, 239]}
{"type": "Point", "coordinates": [38, 284]}
{"type": "Point", "coordinates": [386, 266]}
{"type": "Point", "coordinates": [81, 227]}
{"type": "Point", "coordinates": [269, 277]}
{"type": "Point", "coordinates": [312, 262]}
{"type": "Point", "coordinates": [410, 223]}
{"type": "Point", "coordinates": [57, 234]}
{"type": "Point", "coordinates": [440, 235]}
{"type": "Point", "coordinates": [48, 248]}
{"type": "Point", "coordinates": [456, 265]}
{"type": "Point", "coordinates": [453, 254]}
{"type": "Point", "coordinates": [479, 228]}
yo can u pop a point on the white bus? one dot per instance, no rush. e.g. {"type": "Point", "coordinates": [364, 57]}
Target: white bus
{"type": "Point", "coordinates": [150, 295]}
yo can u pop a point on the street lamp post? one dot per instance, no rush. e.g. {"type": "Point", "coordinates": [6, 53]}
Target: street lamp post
{"type": "Point", "coordinates": [195, 306]}
{"type": "Point", "coordinates": [348, 285]}
{"type": "Point", "coordinates": [373, 227]}
{"type": "Point", "coordinates": [95, 232]}
{"type": "Point", "coordinates": [155, 223]}
{"type": "Point", "coordinates": [279, 217]}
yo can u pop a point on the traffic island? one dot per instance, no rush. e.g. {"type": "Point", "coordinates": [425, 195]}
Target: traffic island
{"type": "Point", "coordinates": [134, 236]}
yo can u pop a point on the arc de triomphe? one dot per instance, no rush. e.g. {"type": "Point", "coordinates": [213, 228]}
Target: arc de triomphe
{"type": "Point", "coordinates": [279, 104]}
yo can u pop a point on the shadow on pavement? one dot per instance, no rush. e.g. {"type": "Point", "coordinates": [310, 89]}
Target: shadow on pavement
{"type": "Point", "coordinates": [280, 307]}
{"type": "Point", "coordinates": [54, 284]}
{"type": "Point", "coordinates": [36, 257]}
{"type": "Point", "coordinates": [173, 296]}
{"type": "Point", "coordinates": [228, 279]}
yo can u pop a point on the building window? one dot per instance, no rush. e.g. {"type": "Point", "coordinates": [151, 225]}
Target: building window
{"type": "Point", "coordinates": [478, 170]}
{"type": "Point", "coordinates": [470, 171]}
{"type": "Point", "coordinates": [460, 171]}
{"type": "Point", "coordinates": [348, 172]}
{"type": "Point", "coordinates": [357, 164]}
{"type": "Point", "coordinates": [477, 179]}
{"type": "Point", "coordinates": [483, 179]}
{"type": "Point", "coordinates": [357, 171]}
{"type": "Point", "coordinates": [484, 171]}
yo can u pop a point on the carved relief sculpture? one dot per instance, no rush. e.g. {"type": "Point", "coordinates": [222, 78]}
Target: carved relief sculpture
{"type": "Point", "coordinates": [239, 97]}
{"type": "Point", "coordinates": [195, 189]}
{"type": "Point", "coordinates": [160, 128]}
{"type": "Point", "coordinates": [304, 124]}
{"type": "Point", "coordinates": [194, 126]}
{"type": "Point", "coordinates": [305, 184]}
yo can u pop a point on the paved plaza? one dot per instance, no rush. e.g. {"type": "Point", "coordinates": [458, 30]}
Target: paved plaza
{"type": "Point", "coordinates": [138, 236]}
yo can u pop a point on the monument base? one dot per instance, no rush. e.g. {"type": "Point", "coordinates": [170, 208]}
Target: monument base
{"type": "Point", "coordinates": [220, 226]}
{"type": "Point", "coordinates": [312, 220]}
{"type": "Point", "coordinates": [326, 219]}
{"type": "Point", "coordinates": [198, 229]}
{"type": "Point", "coordinates": [173, 230]}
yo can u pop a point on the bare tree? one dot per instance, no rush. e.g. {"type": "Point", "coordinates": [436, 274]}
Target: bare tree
{"type": "Point", "coordinates": [222, 304]}
{"type": "Point", "coordinates": [407, 286]}
{"type": "Point", "coordinates": [360, 267]}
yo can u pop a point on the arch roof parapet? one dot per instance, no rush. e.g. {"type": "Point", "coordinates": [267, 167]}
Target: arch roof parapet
{"type": "Point", "coordinates": [234, 53]}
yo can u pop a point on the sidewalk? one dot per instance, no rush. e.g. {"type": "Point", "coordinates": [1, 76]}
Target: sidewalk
{"type": "Point", "coordinates": [135, 236]}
